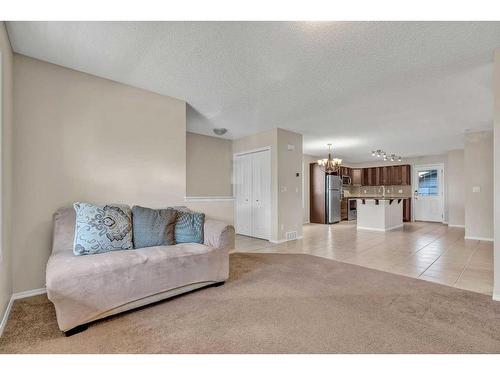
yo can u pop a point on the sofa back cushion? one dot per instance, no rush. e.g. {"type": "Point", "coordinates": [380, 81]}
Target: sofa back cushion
{"type": "Point", "coordinates": [189, 227]}
{"type": "Point", "coordinates": [100, 229]}
{"type": "Point", "coordinates": [153, 227]}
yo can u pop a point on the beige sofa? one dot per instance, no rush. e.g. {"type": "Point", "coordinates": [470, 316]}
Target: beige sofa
{"type": "Point", "coordinates": [90, 287]}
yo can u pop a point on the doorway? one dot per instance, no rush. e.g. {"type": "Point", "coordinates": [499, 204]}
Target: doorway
{"type": "Point", "coordinates": [428, 193]}
{"type": "Point", "coordinates": [252, 190]}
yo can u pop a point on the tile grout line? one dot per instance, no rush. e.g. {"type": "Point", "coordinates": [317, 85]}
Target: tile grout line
{"type": "Point", "coordinates": [466, 264]}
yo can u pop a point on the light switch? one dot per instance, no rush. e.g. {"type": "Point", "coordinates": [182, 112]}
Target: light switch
{"type": "Point", "coordinates": [400, 191]}
{"type": "Point", "coordinates": [476, 189]}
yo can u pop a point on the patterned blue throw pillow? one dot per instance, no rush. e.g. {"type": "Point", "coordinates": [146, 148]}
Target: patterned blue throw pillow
{"type": "Point", "coordinates": [100, 229]}
{"type": "Point", "coordinates": [189, 227]}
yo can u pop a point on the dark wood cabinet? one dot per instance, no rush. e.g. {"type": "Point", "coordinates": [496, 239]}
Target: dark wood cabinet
{"type": "Point", "coordinates": [317, 194]}
{"type": "Point", "coordinates": [366, 179]}
{"type": "Point", "coordinates": [400, 175]}
{"type": "Point", "coordinates": [356, 176]}
{"type": "Point", "coordinates": [376, 176]}
{"type": "Point", "coordinates": [405, 175]}
{"type": "Point", "coordinates": [343, 209]}
{"type": "Point", "coordinates": [407, 209]}
{"type": "Point", "coordinates": [396, 175]}
{"type": "Point", "coordinates": [385, 175]}
{"type": "Point", "coordinates": [371, 177]}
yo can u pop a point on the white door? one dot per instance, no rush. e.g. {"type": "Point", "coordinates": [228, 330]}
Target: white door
{"type": "Point", "coordinates": [428, 193]}
{"type": "Point", "coordinates": [243, 194]}
{"type": "Point", "coordinates": [252, 189]}
{"type": "Point", "coordinates": [261, 194]}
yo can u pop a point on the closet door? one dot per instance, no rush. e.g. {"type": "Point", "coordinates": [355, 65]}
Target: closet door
{"type": "Point", "coordinates": [261, 194]}
{"type": "Point", "coordinates": [243, 194]}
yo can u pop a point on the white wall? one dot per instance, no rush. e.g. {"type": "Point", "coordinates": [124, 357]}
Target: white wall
{"type": "Point", "coordinates": [496, 171]}
{"type": "Point", "coordinates": [290, 216]}
{"type": "Point", "coordinates": [209, 164]}
{"type": "Point", "coordinates": [478, 166]}
{"type": "Point", "coordinates": [456, 188]}
{"type": "Point", "coordinates": [6, 159]}
{"type": "Point", "coordinates": [78, 137]}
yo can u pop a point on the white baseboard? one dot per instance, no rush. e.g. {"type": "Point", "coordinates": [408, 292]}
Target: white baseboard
{"type": "Point", "coordinates": [29, 293]}
{"type": "Point", "coordinates": [496, 296]}
{"type": "Point", "coordinates": [380, 229]}
{"type": "Point", "coordinates": [479, 238]}
{"type": "Point", "coordinates": [456, 225]}
{"type": "Point", "coordinates": [6, 316]}
{"type": "Point", "coordinates": [209, 199]}
{"type": "Point", "coordinates": [19, 295]}
{"type": "Point", "coordinates": [277, 241]}
{"type": "Point", "coordinates": [282, 241]}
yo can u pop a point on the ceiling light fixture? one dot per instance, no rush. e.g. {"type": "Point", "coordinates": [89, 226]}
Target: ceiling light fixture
{"type": "Point", "coordinates": [382, 154]}
{"type": "Point", "coordinates": [220, 131]}
{"type": "Point", "coordinates": [330, 165]}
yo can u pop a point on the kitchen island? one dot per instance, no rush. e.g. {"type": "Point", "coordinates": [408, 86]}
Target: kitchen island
{"type": "Point", "coordinates": [379, 213]}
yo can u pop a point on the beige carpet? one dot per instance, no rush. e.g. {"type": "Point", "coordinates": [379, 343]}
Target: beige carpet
{"type": "Point", "coordinates": [275, 303]}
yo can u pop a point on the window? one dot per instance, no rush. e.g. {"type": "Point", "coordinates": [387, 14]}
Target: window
{"type": "Point", "coordinates": [428, 183]}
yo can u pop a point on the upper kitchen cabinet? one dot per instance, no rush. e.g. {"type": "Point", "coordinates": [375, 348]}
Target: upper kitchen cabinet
{"type": "Point", "coordinates": [370, 176]}
{"type": "Point", "coordinates": [401, 175]}
{"type": "Point", "coordinates": [345, 171]}
{"type": "Point", "coordinates": [397, 175]}
{"type": "Point", "coordinates": [385, 176]}
{"type": "Point", "coordinates": [356, 176]}
{"type": "Point", "coordinates": [405, 175]}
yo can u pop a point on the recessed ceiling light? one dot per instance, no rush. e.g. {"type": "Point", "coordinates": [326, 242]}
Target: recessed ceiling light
{"type": "Point", "coordinates": [220, 131]}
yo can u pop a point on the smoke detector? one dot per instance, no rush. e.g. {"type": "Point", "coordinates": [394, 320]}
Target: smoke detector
{"type": "Point", "coordinates": [220, 131]}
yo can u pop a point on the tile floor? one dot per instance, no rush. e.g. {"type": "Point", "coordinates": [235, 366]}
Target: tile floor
{"type": "Point", "coordinates": [429, 251]}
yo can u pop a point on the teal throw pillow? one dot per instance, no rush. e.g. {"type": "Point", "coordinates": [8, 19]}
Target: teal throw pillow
{"type": "Point", "coordinates": [100, 229]}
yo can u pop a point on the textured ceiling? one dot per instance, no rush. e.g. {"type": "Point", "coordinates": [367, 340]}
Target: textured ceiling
{"type": "Point", "coordinates": [410, 88]}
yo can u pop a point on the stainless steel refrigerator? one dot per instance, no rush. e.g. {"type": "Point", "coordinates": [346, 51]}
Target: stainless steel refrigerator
{"type": "Point", "coordinates": [333, 198]}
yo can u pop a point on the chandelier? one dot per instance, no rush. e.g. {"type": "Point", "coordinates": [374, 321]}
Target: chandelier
{"type": "Point", "coordinates": [329, 165]}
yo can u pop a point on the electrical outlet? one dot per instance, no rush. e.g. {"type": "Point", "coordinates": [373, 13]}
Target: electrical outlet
{"type": "Point", "coordinates": [400, 191]}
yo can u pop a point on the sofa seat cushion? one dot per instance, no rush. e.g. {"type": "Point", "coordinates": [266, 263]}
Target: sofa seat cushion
{"type": "Point", "coordinates": [82, 288]}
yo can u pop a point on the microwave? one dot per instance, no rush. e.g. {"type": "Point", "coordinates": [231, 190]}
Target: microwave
{"type": "Point", "coordinates": [346, 180]}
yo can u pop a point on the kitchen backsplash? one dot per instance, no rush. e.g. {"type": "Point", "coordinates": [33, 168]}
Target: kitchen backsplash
{"type": "Point", "coordinates": [370, 191]}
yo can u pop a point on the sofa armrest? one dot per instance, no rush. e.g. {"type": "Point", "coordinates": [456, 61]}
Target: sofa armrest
{"type": "Point", "coordinates": [218, 234]}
